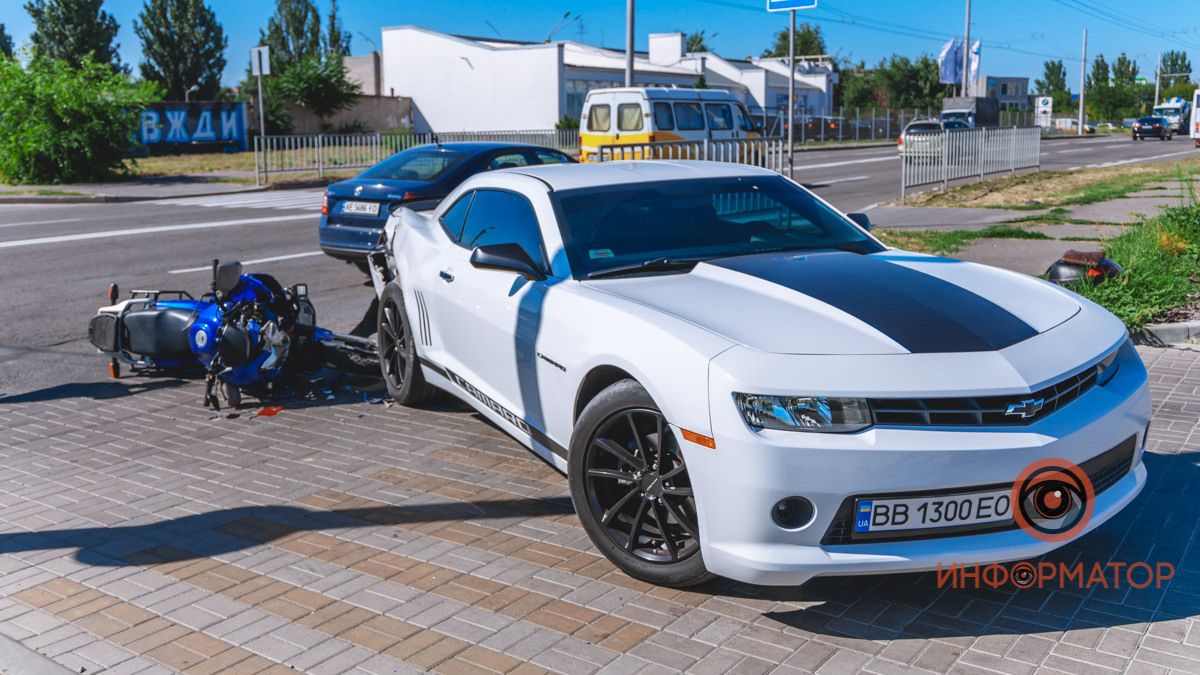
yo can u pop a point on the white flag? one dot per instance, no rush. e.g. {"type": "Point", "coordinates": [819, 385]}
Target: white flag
{"type": "Point", "coordinates": [950, 62]}
{"type": "Point", "coordinates": [973, 71]}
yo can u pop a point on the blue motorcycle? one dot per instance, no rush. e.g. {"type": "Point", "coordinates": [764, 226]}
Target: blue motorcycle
{"type": "Point", "coordinates": [245, 333]}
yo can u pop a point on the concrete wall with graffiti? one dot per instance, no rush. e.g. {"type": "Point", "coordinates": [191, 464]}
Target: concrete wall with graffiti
{"type": "Point", "coordinates": [199, 126]}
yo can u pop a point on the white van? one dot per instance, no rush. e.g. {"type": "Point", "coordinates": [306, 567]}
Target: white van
{"type": "Point", "coordinates": [635, 115]}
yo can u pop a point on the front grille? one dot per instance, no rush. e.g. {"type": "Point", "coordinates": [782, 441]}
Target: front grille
{"type": "Point", "coordinates": [980, 410]}
{"type": "Point", "coordinates": [1103, 470]}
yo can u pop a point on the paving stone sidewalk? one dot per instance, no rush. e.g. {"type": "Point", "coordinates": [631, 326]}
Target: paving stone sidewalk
{"type": "Point", "coordinates": [139, 535]}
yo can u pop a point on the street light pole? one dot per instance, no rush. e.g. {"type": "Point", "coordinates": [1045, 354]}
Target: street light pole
{"type": "Point", "coordinates": [628, 43]}
{"type": "Point", "coordinates": [1082, 81]}
{"type": "Point", "coordinates": [966, 64]}
{"type": "Point", "coordinates": [791, 118]}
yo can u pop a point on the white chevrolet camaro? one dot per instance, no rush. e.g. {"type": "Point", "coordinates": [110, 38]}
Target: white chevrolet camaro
{"type": "Point", "coordinates": [740, 380]}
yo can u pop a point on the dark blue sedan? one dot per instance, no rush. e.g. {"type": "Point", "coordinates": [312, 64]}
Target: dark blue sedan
{"type": "Point", "coordinates": [355, 211]}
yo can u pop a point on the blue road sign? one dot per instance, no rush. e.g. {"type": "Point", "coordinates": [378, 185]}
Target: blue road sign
{"type": "Point", "coordinates": [789, 5]}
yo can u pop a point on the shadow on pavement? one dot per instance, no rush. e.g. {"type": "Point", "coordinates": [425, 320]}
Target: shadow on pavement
{"type": "Point", "coordinates": [101, 390]}
{"type": "Point", "coordinates": [215, 533]}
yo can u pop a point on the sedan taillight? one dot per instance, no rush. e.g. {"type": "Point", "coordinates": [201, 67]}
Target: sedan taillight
{"type": "Point", "coordinates": [325, 204]}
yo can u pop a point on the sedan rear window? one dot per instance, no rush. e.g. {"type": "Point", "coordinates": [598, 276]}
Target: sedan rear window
{"type": "Point", "coordinates": [419, 164]}
{"type": "Point", "coordinates": [922, 128]}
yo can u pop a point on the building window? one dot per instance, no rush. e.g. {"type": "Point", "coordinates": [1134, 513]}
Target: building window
{"type": "Point", "coordinates": [664, 119]}
{"type": "Point", "coordinates": [1004, 89]}
{"type": "Point", "coordinates": [629, 117]}
{"type": "Point", "coordinates": [599, 118]}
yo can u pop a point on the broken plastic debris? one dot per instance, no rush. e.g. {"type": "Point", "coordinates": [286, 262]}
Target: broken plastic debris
{"type": "Point", "coordinates": [269, 411]}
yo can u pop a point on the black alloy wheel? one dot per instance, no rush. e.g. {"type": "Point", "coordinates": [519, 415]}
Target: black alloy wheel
{"type": "Point", "coordinates": [398, 352]}
{"type": "Point", "coordinates": [631, 488]}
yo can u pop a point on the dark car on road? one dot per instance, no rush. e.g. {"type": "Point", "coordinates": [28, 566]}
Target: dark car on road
{"type": "Point", "coordinates": [354, 211]}
{"type": "Point", "coordinates": [1152, 127]}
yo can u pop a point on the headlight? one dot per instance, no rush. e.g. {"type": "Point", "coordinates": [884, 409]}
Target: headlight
{"type": "Point", "coordinates": [819, 414]}
{"type": "Point", "coordinates": [1107, 368]}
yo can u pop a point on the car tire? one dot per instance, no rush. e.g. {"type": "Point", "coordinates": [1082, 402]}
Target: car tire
{"type": "Point", "coordinates": [397, 350]}
{"type": "Point", "coordinates": [630, 487]}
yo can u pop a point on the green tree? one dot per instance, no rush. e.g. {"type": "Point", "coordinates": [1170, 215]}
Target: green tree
{"type": "Point", "coordinates": [69, 30]}
{"type": "Point", "coordinates": [6, 46]}
{"type": "Point", "coordinates": [337, 40]}
{"type": "Point", "coordinates": [809, 42]}
{"type": "Point", "coordinates": [1124, 71]}
{"type": "Point", "coordinates": [1054, 85]}
{"type": "Point", "coordinates": [1176, 69]}
{"type": "Point", "coordinates": [319, 85]}
{"type": "Point", "coordinates": [183, 44]}
{"type": "Point", "coordinates": [293, 33]}
{"type": "Point", "coordinates": [67, 123]}
{"type": "Point", "coordinates": [697, 41]}
{"type": "Point", "coordinates": [1099, 75]}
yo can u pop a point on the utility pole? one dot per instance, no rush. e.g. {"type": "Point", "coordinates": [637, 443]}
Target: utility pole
{"type": "Point", "coordinates": [1082, 81]}
{"type": "Point", "coordinates": [966, 66]}
{"type": "Point", "coordinates": [628, 43]}
{"type": "Point", "coordinates": [1157, 80]}
{"type": "Point", "coordinates": [791, 118]}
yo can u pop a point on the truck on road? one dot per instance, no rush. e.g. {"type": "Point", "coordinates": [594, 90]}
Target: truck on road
{"type": "Point", "coordinates": [974, 111]}
{"type": "Point", "coordinates": [1177, 111]}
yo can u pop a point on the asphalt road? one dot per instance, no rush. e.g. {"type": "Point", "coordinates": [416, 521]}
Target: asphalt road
{"type": "Point", "coordinates": [56, 260]}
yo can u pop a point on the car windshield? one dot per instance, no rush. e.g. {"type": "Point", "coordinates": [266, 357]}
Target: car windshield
{"type": "Point", "coordinates": [631, 224]}
{"type": "Point", "coordinates": [419, 164]}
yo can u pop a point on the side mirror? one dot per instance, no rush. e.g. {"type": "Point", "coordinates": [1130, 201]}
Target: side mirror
{"type": "Point", "coordinates": [508, 258]}
{"type": "Point", "coordinates": [862, 219]}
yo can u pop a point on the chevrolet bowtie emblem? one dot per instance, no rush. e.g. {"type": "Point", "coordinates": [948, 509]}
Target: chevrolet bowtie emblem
{"type": "Point", "coordinates": [1027, 408]}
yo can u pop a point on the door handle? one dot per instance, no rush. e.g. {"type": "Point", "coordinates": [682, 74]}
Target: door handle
{"type": "Point", "coordinates": [446, 276]}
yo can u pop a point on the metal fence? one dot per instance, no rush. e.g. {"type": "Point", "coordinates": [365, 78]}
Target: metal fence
{"type": "Point", "coordinates": [858, 123]}
{"type": "Point", "coordinates": [325, 152]}
{"type": "Point", "coordinates": [951, 155]}
{"type": "Point", "coordinates": [768, 153]}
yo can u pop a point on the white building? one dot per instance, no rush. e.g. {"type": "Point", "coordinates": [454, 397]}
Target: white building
{"type": "Point", "coordinates": [460, 83]}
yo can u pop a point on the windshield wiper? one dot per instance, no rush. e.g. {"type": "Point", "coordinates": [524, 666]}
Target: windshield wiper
{"type": "Point", "coordinates": [653, 265]}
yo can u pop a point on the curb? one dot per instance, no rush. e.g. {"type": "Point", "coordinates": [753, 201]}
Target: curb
{"type": "Point", "coordinates": [1161, 334]}
{"type": "Point", "coordinates": [17, 659]}
{"type": "Point", "coordinates": [113, 199]}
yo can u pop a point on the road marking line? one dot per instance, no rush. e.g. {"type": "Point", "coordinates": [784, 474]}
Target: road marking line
{"type": "Point", "coordinates": [247, 263]}
{"type": "Point", "coordinates": [841, 180]}
{"type": "Point", "coordinates": [855, 161]}
{"type": "Point", "coordinates": [43, 222]}
{"type": "Point", "coordinates": [1067, 152]}
{"type": "Point", "coordinates": [1139, 159]}
{"type": "Point", "coordinates": [109, 234]}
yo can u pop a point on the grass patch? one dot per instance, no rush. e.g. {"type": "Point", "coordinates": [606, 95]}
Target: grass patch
{"type": "Point", "coordinates": [1161, 257]}
{"type": "Point", "coordinates": [1048, 189]}
{"type": "Point", "coordinates": [945, 242]}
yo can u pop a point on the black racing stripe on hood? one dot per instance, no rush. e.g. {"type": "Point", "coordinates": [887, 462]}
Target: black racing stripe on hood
{"type": "Point", "coordinates": [923, 313]}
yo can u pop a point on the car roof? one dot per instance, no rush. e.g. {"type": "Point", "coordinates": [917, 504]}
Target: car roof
{"type": "Point", "coordinates": [480, 146]}
{"type": "Point", "coordinates": [574, 176]}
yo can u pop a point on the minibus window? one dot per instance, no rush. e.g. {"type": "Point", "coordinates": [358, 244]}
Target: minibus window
{"type": "Point", "coordinates": [720, 116]}
{"type": "Point", "coordinates": [689, 116]}
{"type": "Point", "coordinates": [747, 121]}
{"type": "Point", "coordinates": [664, 119]}
{"type": "Point", "coordinates": [629, 117]}
{"type": "Point", "coordinates": [600, 118]}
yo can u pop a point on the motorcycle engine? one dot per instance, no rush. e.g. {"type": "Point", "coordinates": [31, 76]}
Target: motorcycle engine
{"type": "Point", "coordinates": [244, 340]}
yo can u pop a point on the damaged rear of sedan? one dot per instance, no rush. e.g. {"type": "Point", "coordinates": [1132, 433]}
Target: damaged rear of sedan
{"type": "Point", "coordinates": [740, 380]}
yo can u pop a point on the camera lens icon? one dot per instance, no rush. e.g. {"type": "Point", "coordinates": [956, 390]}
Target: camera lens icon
{"type": "Point", "coordinates": [1054, 499]}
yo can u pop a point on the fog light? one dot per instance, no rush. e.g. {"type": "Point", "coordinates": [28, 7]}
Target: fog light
{"type": "Point", "coordinates": [793, 513]}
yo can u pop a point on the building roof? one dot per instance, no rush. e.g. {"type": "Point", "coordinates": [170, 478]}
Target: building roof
{"type": "Point", "coordinates": [575, 176]}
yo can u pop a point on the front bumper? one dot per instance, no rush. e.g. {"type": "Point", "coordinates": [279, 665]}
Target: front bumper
{"type": "Point", "coordinates": [737, 484]}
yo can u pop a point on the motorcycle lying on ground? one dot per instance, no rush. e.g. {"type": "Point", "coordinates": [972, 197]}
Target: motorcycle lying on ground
{"type": "Point", "coordinates": [247, 333]}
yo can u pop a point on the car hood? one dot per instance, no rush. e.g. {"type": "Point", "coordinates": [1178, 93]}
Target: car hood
{"type": "Point", "coordinates": [892, 302]}
{"type": "Point", "coordinates": [373, 188]}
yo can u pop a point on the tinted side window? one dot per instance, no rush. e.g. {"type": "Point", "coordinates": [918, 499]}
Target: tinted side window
{"type": "Point", "coordinates": [498, 217]}
{"type": "Point", "coordinates": [508, 160]}
{"type": "Point", "coordinates": [600, 118]}
{"type": "Point", "coordinates": [454, 217]}
{"type": "Point", "coordinates": [664, 119]}
{"type": "Point", "coordinates": [629, 117]}
{"type": "Point", "coordinates": [720, 116]}
{"type": "Point", "coordinates": [689, 116]}
{"type": "Point", "coordinates": [551, 157]}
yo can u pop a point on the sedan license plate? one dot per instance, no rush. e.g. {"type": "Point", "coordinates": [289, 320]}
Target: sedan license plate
{"type": "Point", "coordinates": [361, 208]}
{"type": "Point", "coordinates": [922, 513]}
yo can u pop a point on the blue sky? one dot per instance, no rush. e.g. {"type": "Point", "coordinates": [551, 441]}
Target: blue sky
{"type": "Point", "coordinates": [1018, 35]}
